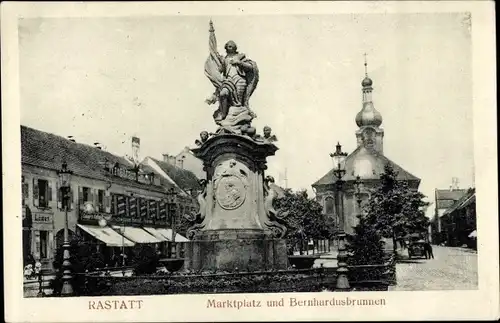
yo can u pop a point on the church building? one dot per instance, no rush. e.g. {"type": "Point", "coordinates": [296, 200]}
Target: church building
{"type": "Point", "coordinates": [367, 161]}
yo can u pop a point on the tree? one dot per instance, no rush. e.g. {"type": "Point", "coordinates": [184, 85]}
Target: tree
{"type": "Point", "coordinates": [82, 258]}
{"type": "Point", "coordinates": [365, 246]}
{"type": "Point", "coordinates": [305, 220]}
{"type": "Point", "coordinates": [394, 210]}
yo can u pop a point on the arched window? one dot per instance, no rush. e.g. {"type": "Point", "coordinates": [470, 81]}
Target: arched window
{"type": "Point", "coordinates": [329, 205]}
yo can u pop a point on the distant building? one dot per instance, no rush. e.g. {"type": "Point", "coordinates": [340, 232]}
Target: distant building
{"type": "Point", "coordinates": [367, 161]}
{"type": "Point", "coordinates": [171, 172]}
{"type": "Point", "coordinates": [459, 221]}
{"type": "Point", "coordinates": [186, 160]}
{"type": "Point", "coordinates": [444, 200]}
{"type": "Point", "coordinates": [131, 199]}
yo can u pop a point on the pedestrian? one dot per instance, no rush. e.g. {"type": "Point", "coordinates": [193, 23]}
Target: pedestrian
{"type": "Point", "coordinates": [28, 271]}
{"type": "Point", "coordinates": [428, 251]}
{"type": "Point", "coordinates": [38, 268]}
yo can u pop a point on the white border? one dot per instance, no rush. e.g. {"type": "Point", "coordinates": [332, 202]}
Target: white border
{"type": "Point", "coordinates": [480, 304]}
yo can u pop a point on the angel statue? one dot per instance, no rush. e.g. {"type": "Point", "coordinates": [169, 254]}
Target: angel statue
{"type": "Point", "coordinates": [235, 78]}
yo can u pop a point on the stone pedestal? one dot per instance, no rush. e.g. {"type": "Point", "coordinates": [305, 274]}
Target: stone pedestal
{"type": "Point", "coordinates": [235, 232]}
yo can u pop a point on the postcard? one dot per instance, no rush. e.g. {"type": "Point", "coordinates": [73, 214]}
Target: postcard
{"type": "Point", "coordinates": [263, 161]}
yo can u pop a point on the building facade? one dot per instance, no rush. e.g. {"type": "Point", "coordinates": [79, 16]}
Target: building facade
{"type": "Point", "coordinates": [367, 161]}
{"type": "Point", "coordinates": [112, 201]}
{"type": "Point", "coordinates": [188, 161]}
{"type": "Point", "coordinates": [444, 200]}
{"type": "Point", "coordinates": [458, 222]}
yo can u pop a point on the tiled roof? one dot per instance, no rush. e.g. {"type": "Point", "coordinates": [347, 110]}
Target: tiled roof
{"type": "Point", "coordinates": [48, 151]}
{"type": "Point", "coordinates": [465, 200]}
{"type": "Point", "coordinates": [186, 179]}
{"type": "Point", "coordinates": [368, 165]}
{"type": "Point", "coordinates": [447, 194]}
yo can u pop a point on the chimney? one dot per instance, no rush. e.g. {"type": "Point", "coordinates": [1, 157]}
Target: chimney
{"type": "Point", "coordinates": [170, 159]}
{"type": "Point", "coordinates": [180, 163]}
{"type": "Point", "coordinates": [136, 145]}
{"type": "Point", "coordinates": [97, 145]}
{"type": "Point", "coordinates": [71, 138]}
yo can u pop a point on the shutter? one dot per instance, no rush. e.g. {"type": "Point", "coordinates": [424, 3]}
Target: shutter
{"type": "Point", "coordinates": [107, 202]}
{"type": "Point", "coordinates": [50, 244]}
{"type": "Point", "coordinates": [25, 193]}
{"type": "Point", "coordinates": [80, 197]}
{"type": "Point", "coordinates": [94, 197]}
{"type": "Point", "coordinates": [49, 191]}
{"type": "Point", "coordinates": [37, 245]}
{"type": "Point", "coordinates": [71, 201]}
{"type": "Point", "coordinates": [35, 191]}
{"type": "Point", "coordinates": [59, 196]}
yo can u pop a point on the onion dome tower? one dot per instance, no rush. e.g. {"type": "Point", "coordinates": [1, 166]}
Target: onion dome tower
{"type": "Point", "coordinates": [366, 161]}
{"type": "Point", "coordinates": [369, 135]}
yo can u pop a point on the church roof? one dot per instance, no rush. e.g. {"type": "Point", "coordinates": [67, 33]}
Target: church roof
{"type": "Point", "coordinates": [368, 164]}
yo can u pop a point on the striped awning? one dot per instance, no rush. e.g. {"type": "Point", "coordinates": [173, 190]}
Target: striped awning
{"type": "Point", "coordinates": [155, 233]}
{"type": "Point", "coordinates": [137, 235]}
{"type": "Point", "coordinates": [107, 235]}
{"type": "Point", "coordinates": [167, 233]}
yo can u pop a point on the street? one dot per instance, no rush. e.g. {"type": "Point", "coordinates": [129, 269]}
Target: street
{"type": "Point", "coordinates": [451, 269]}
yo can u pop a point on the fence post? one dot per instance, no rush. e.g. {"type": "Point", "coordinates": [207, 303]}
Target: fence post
{"type": "Point", "coordinates": [40, 285]}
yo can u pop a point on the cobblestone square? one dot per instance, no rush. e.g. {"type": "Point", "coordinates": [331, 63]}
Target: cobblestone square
{"type": "Point", "coordinates": [451, 269]}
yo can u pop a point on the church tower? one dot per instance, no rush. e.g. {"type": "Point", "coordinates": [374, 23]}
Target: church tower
{"type": "Point", "coordinates": [366, 161]}
{"type": "Point", "coordinates": [369, 135]}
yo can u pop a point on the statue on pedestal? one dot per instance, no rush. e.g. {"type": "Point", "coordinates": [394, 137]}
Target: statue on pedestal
{"type": "Point", "coordinates": [235, 78]}
{"type": "Point", "coordinates": [237, 225]}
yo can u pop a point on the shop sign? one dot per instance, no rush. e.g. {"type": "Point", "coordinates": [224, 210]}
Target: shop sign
{"type": "Point", "coordinates": [126, 220]}
{"type": "Point", "coordinates": [90, 217]}
{"type": "Point", "coordinates": [42, 218]}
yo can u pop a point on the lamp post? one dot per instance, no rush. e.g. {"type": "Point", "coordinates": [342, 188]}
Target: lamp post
{"type": "Point", "coordinates": [64, 183]}
{"type": "Point", "coordinates": [358, 184]}
{"type": "Point", "coordinates": [338, 158]}
{"type": "Point", "coordinates": [171, 202]}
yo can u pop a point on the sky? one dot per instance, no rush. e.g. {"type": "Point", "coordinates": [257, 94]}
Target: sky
{"type": "Point", "coordinates": [108, 79]}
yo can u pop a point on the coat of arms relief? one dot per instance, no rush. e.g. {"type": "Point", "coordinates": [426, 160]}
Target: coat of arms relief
{"type": "Point", "coordinates": [230, 184]}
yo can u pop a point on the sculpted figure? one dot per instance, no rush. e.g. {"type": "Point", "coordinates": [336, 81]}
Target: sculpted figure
{"type": "Point", "coordinates": [268, 137]}
{"type": "Point", "coordinates": [197, 219]}
{"type": "Point", "coordinates": [235, 78]}
{"type": "Point", "coordinates": [203, 137]}
{"type": "Point", "coordinates": [275, 218]}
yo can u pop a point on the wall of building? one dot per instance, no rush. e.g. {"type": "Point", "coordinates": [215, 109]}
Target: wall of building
{"type": "Point", "coordinates": [350, 205]}
{"type": "Point", "coordinates": [191, 163]}
{"type": "Point", "coordinates": [51, 219]}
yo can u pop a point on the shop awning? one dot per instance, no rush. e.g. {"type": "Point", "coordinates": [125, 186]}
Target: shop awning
{"type": "Point", "coordinates": [167, 233]}
{"type": "Point", "coordinates": [155, 233]}
{"type": "Point", "coordinates": [107, 235]}
{"type": "Point", "coordinates": [137, 235]}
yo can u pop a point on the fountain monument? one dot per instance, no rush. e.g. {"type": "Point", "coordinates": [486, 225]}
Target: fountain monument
{"type": "Point", "coordinates": [237, 227]}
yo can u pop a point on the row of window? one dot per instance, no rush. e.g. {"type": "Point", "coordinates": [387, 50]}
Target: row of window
{"type": "Point", "coordinates": [111, 203]}
{"type": "Point", "coordinates": [42, 195]}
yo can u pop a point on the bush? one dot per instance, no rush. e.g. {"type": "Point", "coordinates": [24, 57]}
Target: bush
{"type": "Point", "coordinates": [82, 257]}
{"type": "Point", "coordinates": [145, 259]}
{"type": "Point", "coordinates": [313, 281]}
